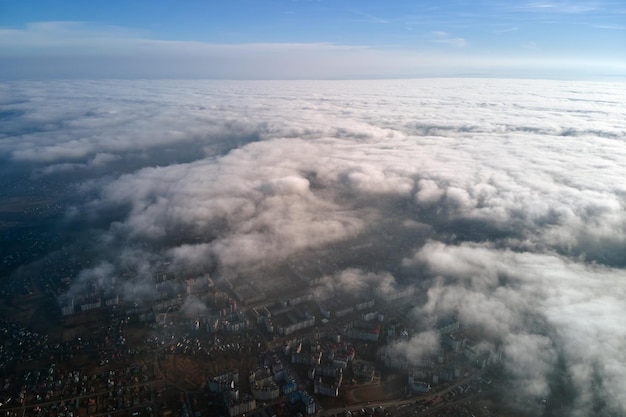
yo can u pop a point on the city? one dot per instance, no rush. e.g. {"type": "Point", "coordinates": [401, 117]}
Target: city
{"type": "Point", "coordinates": [213, 346]}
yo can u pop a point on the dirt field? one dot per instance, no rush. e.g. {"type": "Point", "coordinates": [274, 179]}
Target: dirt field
{"type": "Point", "coordinates": [390, 389]}
{"type": "Point", "coordinates": [191, 372]}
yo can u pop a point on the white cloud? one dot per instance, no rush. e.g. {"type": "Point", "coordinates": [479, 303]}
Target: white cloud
{"type": "Point", "coordinates": [498, 291]}
{"type": "Point", "coordinates": [421, 346]}
{"type": "Point", "coordinates": [510, 29]}
{"type": "Point", "coordinates": [456, 42]}
{"type": "Point", "coordinates": [440, 34]}
{"type": "Point", "coordinates": [515, 186]}
{"type": "Point", "coordinates": [355, 282]}
{"type": "Point", "coordinates": [567, 7]}
{"type": "Point", "coordinates": [610, 27]}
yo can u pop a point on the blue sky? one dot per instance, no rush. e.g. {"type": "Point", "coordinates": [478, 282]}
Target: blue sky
{"type": "Point", "coordinates": [311, 38]}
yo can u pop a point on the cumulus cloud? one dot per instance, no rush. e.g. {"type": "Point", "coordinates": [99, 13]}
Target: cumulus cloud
{"type": "Point", "coordinates": [91, 280]}
{"type": "Point", "coordinates": [355, 281]}
{"type": "Point", "coordinates": [421, 346]}
{"type": "Point", "coordinates": [544, 308]}
{"type": "Point", "coordinates": [502, 201]}
{"type": "Point", "coordinates": [531, 359]}
{"type": "Point", "coordinates": [193, 306]}
{"type": "Point", "coordinates": [429, 192]}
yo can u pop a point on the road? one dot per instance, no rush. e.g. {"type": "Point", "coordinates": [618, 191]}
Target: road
{"type": "Point", "coordinates": [392, 403]}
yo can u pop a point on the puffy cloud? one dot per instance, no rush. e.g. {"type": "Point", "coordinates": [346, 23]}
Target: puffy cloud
{"type": "Point", "coordinates": [420, 346]}
{"type": "Point", "coordinates": [503, 200]}
{"type": "Point", "coordinates": [100, 276]}
{"type": "Point", "coordinates": [193, 306]}
{"type": "Point", "coordinates": [428, 192]}
{"type": "Point", "coordinates": [544, 308]}
{"type": "Point", "coordinates": [531, 359]}
{"type": "Point", "coordinates": [355, 281]}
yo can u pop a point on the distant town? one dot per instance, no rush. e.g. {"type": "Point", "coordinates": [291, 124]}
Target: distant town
{"type": "Point", "coordinates": [228, 345]}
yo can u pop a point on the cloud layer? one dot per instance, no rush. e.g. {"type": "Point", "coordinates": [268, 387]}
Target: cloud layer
{"type": "Point", "coordinates": [501, 200]}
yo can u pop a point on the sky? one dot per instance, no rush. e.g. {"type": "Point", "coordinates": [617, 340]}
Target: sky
{"type": "Point", "coordinates": [311, 39]}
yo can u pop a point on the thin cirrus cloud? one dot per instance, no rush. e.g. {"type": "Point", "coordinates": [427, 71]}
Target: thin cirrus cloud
{"type": "Point", "coordinates": [457, 42]}
{"type": "Point", "coordinates": [446, 39]}
{"type": "Point", "coordinates": [510, 213]}
{"type": "Point", "coordinates": [507, 30]}
{"type": "Point", "coordinates": [560, 7]}
{"type": "Point", "coordinates": [610, 27]}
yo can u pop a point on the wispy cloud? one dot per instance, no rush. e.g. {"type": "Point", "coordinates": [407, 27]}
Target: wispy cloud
{"type": "Point", "coordinates": [610, 27]}
{"type": "Point", "coordinates": [511, 29]}
{"type": "Point", "coordinates": [557, 7]}
{"type": "Point", "coordinates": [529, 45]}
{"type": "Point", "coordinates": [445, 38]}
{"type": "Point", "coordinates": [440, 34]}
{"type": "Point", "coordinates": [370, 17]}
{"type": "Point", "coordinates": [456, 42]}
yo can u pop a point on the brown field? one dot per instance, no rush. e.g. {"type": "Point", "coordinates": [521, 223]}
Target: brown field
{"type": "Point", "coordinates": [389, 390]}
{"type": "Point", "coordinates": [190, 372]}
